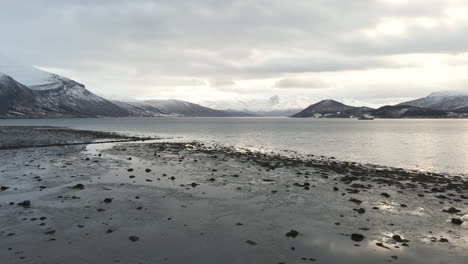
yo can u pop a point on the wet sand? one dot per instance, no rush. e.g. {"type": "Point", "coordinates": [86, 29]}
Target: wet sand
{"type": "Point", "coordinates": [168, 202]}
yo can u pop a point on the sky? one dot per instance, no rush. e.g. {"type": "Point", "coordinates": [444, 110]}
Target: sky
{"type": "Point", "coordinates": [363, 52]}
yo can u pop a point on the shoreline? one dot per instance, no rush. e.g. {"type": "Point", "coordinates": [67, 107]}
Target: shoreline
{"type": "Point", "coordinates": [179, 201]}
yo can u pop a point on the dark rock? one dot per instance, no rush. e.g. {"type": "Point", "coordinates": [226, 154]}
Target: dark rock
{"type": "Point", "coordinates": [172, 178]}
{"type": "Point", "coordinates": [354, 200]}
{"type": "Point", "coordinates": [403, 205]}
{"type": "Point", "coordinates": [398, 238]}
{"type": "Point", "coordinates": [194, 184]}
{"type": "Point", "coordinates": [148, 170]}
{"type": "Point", "coordinates": [250, 242]}
{"type": "Point", "coordinates": [457, 221]}
{"type": "Point", "coordinates": [25, 204]}
{"type": "Point", "coordinates": [451, 210]}
{"type": "Point", "coordinates": [386, 195]}
{"type": "Point", "coordinates": [360, 210]}
{"type": "Point", "coordinates": [336, 189]}
{"type": "Point", "coordinates": [4, 188]}
{"type": "Point", "coordinates": [130, 170]}
{"type": "Point", "coordinates": [212, 179]}
{"type": "Point", "coordinates": [293, 233]}
{"type": "Point", "coordinates": [357, 237]}
{"type": "Point", "coordinates": [133, 238]}
{"type": "Point", "coordinates": [78, 186]}
{"type": "Point", "coordinates": [443, 240]}
{"type": "Point", "coordinates": [108, 200]}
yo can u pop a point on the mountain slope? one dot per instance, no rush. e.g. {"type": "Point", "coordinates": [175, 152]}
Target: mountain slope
{"type": "Point", "coordinates": [407, 111]}
{"type": "Point", "coordinates": [441, 101]}
{"type": "Point", "coordinates": [28, 88]}
{"type": "Point", "coordinates": [332, 108]}
{"type": "Point", "coordinates": [15, 96]}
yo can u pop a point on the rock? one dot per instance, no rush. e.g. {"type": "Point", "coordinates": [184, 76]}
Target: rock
{"type": "Point", "coordinates": [4, 188]}
{"type": "Point", "coordinates": [131, 176]}
{"type": "Point", "coordinates": [130, 170]}
{"type": "Point", "coordinates": [108, 200]}
{"type": "Point", "coordinates": [403, 205]}
{"type": "Point", "coordinates": [357, 237]}
{"type": "Point", "coordinates": [451, 210]}
{"type": "Point", "coordinates": [78, 186]}
{"type": "Point", "coordinates": [250, 242]}
{"type": "Point", "coordinates": [147, 170]}
{"type": "Point", "coordinates": [398, 238]}
{"type": "Point", "coordinates": [194, 184]}
{"type": "Point", "coordinates": [293, 233]}
{"type": "Point", "coordinates": [25, 204]}
{"type": "Point", "coordinates": [172, 178]}
{"type": "Point", "coordinates": [443, 240]}
{"type": "Point", "coordinates": [212, 179]}
{"type": "Point", "coordinates": [386, 195]}
{"type": "Point", "coordinates": [457, 221]}
{"type": "Point", "coordinates": [354, 200]}
{"type": "Point", "coordinates": [133, 238]}
{"type": "Point", "coordinates": [336, 189]}
{"type": "Point", "coordinates": [360, 210]}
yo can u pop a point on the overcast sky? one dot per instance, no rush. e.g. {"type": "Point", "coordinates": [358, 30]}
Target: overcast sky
{"type": "Point", "coordinates": [360, 52]}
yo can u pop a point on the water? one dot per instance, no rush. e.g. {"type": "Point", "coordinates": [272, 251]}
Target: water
{"type": "Point", "coordinates": [439, 145]}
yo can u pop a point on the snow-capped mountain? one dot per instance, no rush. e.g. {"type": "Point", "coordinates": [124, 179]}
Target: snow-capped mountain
{"type": "Point", "coordinates": [27, 91]}
{"type": "Point", "coordinates": [447, 101]}
{"type": "Point", "coordinates": [332, 108]}
{"type": "Point", "coordinates": [273, 106]}
{"type": "Point", "coordinates": [175, 108]}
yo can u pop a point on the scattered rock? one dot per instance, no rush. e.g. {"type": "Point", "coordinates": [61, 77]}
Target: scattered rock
{"type": "Point", "coordinates": [133, 238]}
{"type": "Point", "coordinates": [293, 233]}
{"type": "Point", "coordinates": [354, 200]}
{"type": "Point", "coordinates": [25, 204]}
{"type": "Point", "coordinates": [357, 237]}
{"type": "Point", "coordinates": [451, 210]}
{"type": "Point", "coordinates": [457, 221]}
{"type": "Point", "coordinates": [78, 186]}
{"type": "Point", "coordinates": [360, 210]}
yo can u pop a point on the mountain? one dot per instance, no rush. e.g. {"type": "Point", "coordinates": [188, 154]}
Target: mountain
{"type": "Point", "coordinates": [175, 108]}
{"type": "Point", "coordinates": [332, 109]}
{"type": "Point", "coordinates": [29, 92]}
{"type": "Point", "coordinates": [273, 106]}
{"type": "Point", "coordinates": [408, 111]}
{"type": "Point", "coordinates": [447, 101]}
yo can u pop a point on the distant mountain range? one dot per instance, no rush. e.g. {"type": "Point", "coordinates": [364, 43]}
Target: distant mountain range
{"type": "Point", "coordinates": [436, 105]}
{"type": "Point", "coordinates": [27, 92]}
{"type": "Point", "coordinates": [175, 108]}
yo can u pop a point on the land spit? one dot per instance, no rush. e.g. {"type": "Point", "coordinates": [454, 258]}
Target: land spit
{"type": "Point", "coordinates": [65, 200]}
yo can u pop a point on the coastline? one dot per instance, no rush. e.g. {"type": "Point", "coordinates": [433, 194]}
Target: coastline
{"type": "Point", "coordinates": [196, 196]}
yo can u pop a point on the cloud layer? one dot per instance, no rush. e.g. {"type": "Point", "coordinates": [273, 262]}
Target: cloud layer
{"type": "Point", "coordinates": [196, 49]}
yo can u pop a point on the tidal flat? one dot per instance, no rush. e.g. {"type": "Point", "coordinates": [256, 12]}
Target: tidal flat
{"type": "Point", "coordinates": [72, 196]}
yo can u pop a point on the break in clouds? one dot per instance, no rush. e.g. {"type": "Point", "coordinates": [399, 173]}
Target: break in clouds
{"type": "Point", "coordinates": [365, 52]}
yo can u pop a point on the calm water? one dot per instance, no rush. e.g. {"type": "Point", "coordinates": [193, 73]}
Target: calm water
{"type": "Point", "coordinates": [426, 144]}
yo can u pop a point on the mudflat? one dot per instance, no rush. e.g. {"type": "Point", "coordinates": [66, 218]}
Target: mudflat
{"type": "Point", "coordinates": [71, 196]}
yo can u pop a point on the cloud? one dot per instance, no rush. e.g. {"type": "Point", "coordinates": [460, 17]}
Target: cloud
{"type": "Point", "coordinates": [301, 83]}
{"type": "Point", "coordinates": [152, 46]}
